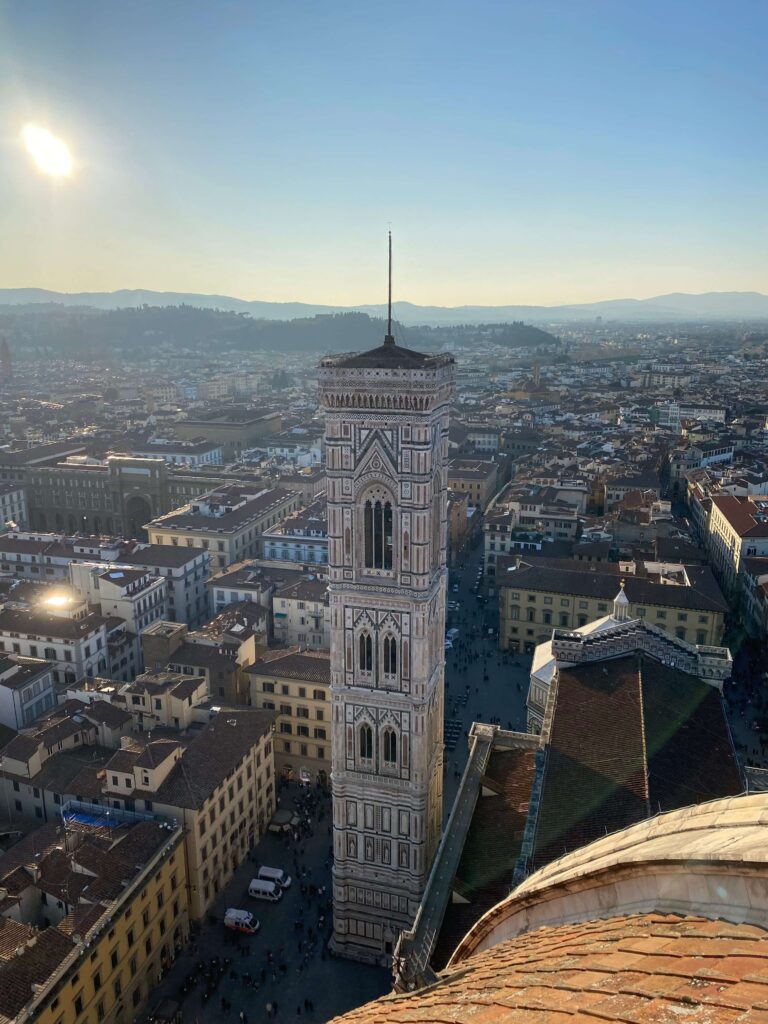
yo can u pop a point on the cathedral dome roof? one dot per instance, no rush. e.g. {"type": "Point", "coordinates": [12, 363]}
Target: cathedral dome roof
{"type": "Point", "coordinates": [663, 921]}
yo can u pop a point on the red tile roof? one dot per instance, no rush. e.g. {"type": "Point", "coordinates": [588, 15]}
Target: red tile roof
{"type": "Point", "coordinates": [744, 515]}
{"type": "Point", "coordinates": [630, 737]}
{"type": "Point", "coordinates": [638, 969]}
{"type": "Point", "coordinates": [492, 846]}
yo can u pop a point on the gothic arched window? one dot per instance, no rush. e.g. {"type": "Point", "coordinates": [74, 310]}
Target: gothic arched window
{"type": "Point", "coordinates": [366, 652]}
{"type": "Point", "coordinates": [378, 534]}
{"type": "Point", "coordinates": [366, 742]}
{"type": "Point", "coordinates": [390, 656]}
{"type": "Point", "coordinates": [390, 746]}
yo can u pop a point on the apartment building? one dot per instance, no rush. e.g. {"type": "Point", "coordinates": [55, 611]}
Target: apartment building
{"type": "Point", "coordinates": [214, 654]}
{"type": "Point", "coordinates": [13, 507]}
{"type": "Point", "coordinates": [47, 556]}
{"type": "Point", "coordinates": [215, 780]}
{"type": "Point", "coordinates": [162, 698]}
{"type": "Point", "coordinates": [220, 786]}
{"type": "Point", "coordinates": [186, 572]}
{"type": "Point", "coordinates": [301, 614]}
{"type": "Point", "coordinates": [95, 912]}
{"type": "Point", "coordinates": [121, 591]}
{"type": "Point", "coordinates": [227, 523]}
{"type": "Point", "coordinates": [26, 690]}
{"type": "Point", "coordinates": [301, 537]}
{"type": "Point", "coordinates": [537, 597]}
{"type": "Point", "coordinates": [193, 454]}
{"type": "Point", "coordinates": [250, 581]}
{"type": "Point", "coordinates": [309, 483]}
{"type": "Point", "coordinates": [295, 685]}
{"type": "Point", "coordinates": [76, 646]}
{"type": "Point", "coordinates": [479, 478]}
{"type": "Point", "coordinates": [519, 521]}
{"type": "Point", "coordinates": [737, 528]}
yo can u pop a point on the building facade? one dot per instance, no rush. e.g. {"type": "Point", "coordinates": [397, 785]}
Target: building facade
{"type": "Point", "coordinates": [301, 614]}
{"type": "Point", "coordinates": [294, 684]}
{"type": "Point", "coordinates": [228, 522]}
{"type": "Point", "coordinates": [535, 599]}
{"type": "Point", "coordinates": [386, 444]}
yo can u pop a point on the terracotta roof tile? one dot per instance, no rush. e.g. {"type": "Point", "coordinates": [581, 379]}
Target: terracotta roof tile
{"type": "Point", "coordinates": [629, 737]}
{"type": "Point", "coordinates": [641, 969]}
{"type": "Point", "coordinates": [492, 846]}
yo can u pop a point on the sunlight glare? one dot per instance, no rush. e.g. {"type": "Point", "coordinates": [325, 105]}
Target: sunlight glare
{"type": "Point", "coordinates": [49, 152]}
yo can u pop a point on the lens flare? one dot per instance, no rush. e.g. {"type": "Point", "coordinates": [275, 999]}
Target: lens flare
{"type": "Point", "coordinates": [49, 153]}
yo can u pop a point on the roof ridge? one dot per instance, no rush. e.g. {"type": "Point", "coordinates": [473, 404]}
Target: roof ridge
{"type": "Point", "coordinates": [643, 740]}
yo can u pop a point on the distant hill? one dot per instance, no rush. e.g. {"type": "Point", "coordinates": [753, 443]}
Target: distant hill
{"type": "Point", "coordinates": [91, 332]}
{"type": "Point", "coordinates": [676, 306]}
{"type": "Point", "coordinates": [520, 335]}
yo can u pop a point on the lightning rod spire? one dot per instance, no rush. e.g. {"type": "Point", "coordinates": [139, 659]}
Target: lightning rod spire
{"type": "Point", "coordinates": [389, 340]}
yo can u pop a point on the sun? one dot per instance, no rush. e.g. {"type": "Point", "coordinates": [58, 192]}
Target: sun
{"type": "Point", "coordinates": [49, 152]}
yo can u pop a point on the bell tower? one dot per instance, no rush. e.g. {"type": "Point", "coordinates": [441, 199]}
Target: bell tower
{"type": "Point", "coordinates": [386, 420]}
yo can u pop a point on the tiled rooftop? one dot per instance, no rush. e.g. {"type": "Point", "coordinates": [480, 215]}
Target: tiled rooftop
{"type": "Point", "coordinates": [629, 737]}
{"type": "Point", "coordinates": [492, 846]}
{"type": "Point", "coordinates": [637, 969]}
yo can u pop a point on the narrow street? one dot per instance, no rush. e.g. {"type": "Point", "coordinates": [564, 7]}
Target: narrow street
{"type": "Point", "coordinates": [287, 962]}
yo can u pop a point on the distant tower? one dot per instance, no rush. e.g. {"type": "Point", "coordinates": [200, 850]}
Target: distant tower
{"type": "Point", "coordinates": [386, 429]}
{"type": "Point", "coordinates": [6, 366]}
{"type": "Point", "coordinates": [536, 374]}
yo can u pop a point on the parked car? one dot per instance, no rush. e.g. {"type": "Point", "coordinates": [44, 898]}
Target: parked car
{"type": "Point", "coordinates": [263, 889]}
{"type": "Point", "coordinates": [277, 875]}
{"type": "Point", "coordinates": [241, 921]}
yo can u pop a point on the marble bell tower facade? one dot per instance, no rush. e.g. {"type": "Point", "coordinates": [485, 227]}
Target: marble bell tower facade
{"type": "Point", "coordinates": [386, 416]}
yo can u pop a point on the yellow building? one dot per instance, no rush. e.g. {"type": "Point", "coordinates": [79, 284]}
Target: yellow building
{"type": "Point", "coordinates": [220, 788]}
{"type": "Point", "coordinates": [683, 600]}
{"type": "Point", "coordinates": [295, 684]}
{"type": "Point", "coordinates": [477, 477]}
{"type": "Point", "coordinates": [95, 913]}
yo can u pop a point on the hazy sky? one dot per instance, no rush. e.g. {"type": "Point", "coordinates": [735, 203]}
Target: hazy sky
{"type": "Point", "coordinates": [536, 152]}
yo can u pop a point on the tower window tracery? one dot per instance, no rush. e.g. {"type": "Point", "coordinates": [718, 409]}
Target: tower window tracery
{"type": "Point", "coordinates": [378, 534]}
{"type": "Point", "coordinates": [366, 652]}
{"type": "Point", "coordinates": [390, 746]}
{"type": "Point", "coordinates": [390, 656]}
{"type": "Point", "coordinates": [366, 743]}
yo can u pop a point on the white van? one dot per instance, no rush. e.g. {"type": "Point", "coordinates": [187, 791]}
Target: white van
{"type": "Point", "coordinates": [262, 889]}
{"type": "Point", "coordinates": [241, 921]}
{"type": "Point", "coordinates": [276, 875]}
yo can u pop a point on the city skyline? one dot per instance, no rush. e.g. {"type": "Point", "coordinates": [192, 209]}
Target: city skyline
{"type": "Point", "coordinates": [522, 156]}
